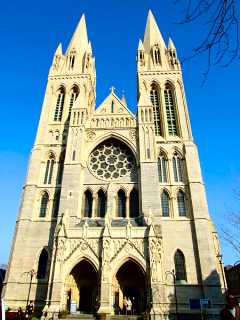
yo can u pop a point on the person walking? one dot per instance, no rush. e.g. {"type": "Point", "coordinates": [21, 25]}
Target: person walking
{"type": "Point", "coordinates": [129, 306]}
{"type": "Point", "coordinates": [232, 310]}
{"type": "Point", "coordinates": [29, 310]}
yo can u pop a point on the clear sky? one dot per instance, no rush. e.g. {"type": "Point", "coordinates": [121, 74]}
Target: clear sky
{"type": "Point", "coordinates": [30, 32]}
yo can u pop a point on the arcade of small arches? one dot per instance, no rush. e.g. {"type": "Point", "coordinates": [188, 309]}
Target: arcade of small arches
{"type": "Point", "coordinates": [126, 204]}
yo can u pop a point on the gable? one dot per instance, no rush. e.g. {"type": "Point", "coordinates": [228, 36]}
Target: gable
{"type": "Point", "coordinates": [112, 105]}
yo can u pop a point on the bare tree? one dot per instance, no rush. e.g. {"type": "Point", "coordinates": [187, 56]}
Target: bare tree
{"type": "Point", "coordinates": [221, 39]}
{"type": "Point", "coordinates": [231, 229]}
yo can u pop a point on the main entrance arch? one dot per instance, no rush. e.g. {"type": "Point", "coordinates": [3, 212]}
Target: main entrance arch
{"type": "Point", "coordinates": [82, 287]}
{"type": "Point", "coordinates": [130, 282]}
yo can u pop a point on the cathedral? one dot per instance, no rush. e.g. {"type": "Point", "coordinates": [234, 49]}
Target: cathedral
{"type": "Point", "coordinates": [114, 205]}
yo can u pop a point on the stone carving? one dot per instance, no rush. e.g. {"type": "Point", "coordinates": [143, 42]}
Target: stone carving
{"type": "Point", "coordinates": [91, 135]}
{"type": "Point", "coordinates": [155, 259]}
{"type": "Point", "coordinates": [132, 134]}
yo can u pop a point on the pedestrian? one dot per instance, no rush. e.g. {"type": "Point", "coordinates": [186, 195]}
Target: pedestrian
{"type": "Point", "coordinates": [29, 310]}
{"type": "Point", "coordinates": [20, 314]}
{"type": "Point", "coordinates": [125, 303]}
{"type": "Point", "coordinates": [129, 306]}
{"type": "Point", "coordinates": [232, 310]}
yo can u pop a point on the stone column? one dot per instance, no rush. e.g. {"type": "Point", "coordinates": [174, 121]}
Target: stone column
{"type": "Point", "coordinates": [106, 283]}
{"type": "Point", "coordinates": [127, 207]}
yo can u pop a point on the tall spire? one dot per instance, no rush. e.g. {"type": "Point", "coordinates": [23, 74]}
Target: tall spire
{"type": "Point", "coordinates": [80, 38]}
{"type": "Point", "coordinates": [152, 34]}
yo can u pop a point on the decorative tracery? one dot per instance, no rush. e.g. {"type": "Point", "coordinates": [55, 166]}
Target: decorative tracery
{"type": "Point", "coordinates": [112, 160]}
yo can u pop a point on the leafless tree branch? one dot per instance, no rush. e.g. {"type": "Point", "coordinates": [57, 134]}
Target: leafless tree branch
{"type": "Point", "coordinates": [221, 41]}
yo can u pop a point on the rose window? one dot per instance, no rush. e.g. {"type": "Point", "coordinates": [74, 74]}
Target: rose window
{"type": "Point", "coordinates": [111, 160]}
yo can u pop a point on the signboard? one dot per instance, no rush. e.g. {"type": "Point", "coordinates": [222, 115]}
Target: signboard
{"type": "Point", "coordinates": [205, 303]}
{"type": "Point", "coordinates": [73, 307]}
{"type": "Point", "coordinates": [195, 304]}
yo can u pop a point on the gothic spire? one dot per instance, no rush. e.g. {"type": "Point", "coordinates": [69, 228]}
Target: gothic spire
{"type": "Point", "coordinates": [80, 38]}
{"type": "Point", "coordinates": [152, 34]}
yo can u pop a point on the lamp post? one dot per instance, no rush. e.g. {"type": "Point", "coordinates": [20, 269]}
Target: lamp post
{"type": "Point", "coordinates": [172, 273]}
{"type": "Point", "coordinates": [30, 273]}
{"type": "Point", "coordinates": [219, 257]}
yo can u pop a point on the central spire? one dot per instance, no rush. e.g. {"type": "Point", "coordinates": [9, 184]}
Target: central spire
{"type": "Point", "coordinates": [80, 38]}
{"type": "Point", "coordinates": [152, 34]}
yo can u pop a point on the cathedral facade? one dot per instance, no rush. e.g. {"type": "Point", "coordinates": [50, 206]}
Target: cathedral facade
{"type": "Point", "coordinates": [114, 203]}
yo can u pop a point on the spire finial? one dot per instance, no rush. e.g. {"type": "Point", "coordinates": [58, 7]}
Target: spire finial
{"type": "Point", "coordinates": [152, 34]}
{"type": "Point", "coordinates": [80, 38]}
{"type": "Point", "coordinates": [112, 89]}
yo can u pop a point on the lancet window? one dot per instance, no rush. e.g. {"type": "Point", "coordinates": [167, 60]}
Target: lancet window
{"type": "Point", "coordinates": [180, 267]}
{"type": "Point", "coordinates": [101, 204]}
{"type": "Point", "coordinates": [49, 170]}
{"type": "Point", "coordinates": [88, 201]}
{"type": "Point", "coordinates": [162, 168]}
{"type": "Point", "coordinates": [133, 204]}
{"type": "Point", "coordinates": [154, 95]}
{"type": "Point", "coordinates": [181, 204]}
{"type": "Point", "coordinates": [44, 205]}
{"type": "Point", "coordinates": [165, 203]}
{"type": "Point", "coordinates": [59, 104]}
{"type": "Point", "coordinates": [156, 55]}
{"type": "Point", "coordinates": [177, 168]}
{"type": "Point", "coordinates": [73, 96]}
{"type": "Point", "coordinates": [170, 111]}
{"type": "Point", "coordinates": [42, 264]}
{"type": "Point", "coordinates": [121, 204]}
{"type": "Point", "coordinates": [71, 60]}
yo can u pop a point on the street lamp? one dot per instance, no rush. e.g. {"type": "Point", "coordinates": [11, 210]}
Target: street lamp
{"type": "Point", "coordinates": [173, 274]}
{"type": "Point", "coordinates": [219, 257]}
{"type": "Point", "coordinates": [30, 273]}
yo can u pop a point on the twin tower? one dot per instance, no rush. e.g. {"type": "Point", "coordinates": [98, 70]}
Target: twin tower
{"type": "Point", "coordinates": [114, 204]}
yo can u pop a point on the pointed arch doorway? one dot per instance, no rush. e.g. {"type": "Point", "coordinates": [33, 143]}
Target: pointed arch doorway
{"type": "Point", "coordinates": [82, 287]}
{"type": "Point", "coordinates": [130, 282]}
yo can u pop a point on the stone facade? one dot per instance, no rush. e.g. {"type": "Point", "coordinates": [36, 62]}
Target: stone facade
{"type": "Point", "coordinates": [106, 189]}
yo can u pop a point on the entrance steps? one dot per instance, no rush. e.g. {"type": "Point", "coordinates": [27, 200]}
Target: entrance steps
{"type": "Point", "coordinates": [125, 317]}
{"type": "Point", "coordinates": [79, 316]}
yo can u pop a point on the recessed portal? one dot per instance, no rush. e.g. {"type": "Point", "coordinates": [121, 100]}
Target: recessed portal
{"type": "Point", "coordinates": [82, 288]}
{"type": "Point", "coordinates": [130, 282]}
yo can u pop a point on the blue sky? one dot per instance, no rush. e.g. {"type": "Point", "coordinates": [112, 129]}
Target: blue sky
{"type": "Point", "coordinates": [30, 32]}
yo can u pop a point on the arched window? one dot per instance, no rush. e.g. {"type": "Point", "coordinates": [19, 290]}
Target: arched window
{"type": "Point", "coordinates": [121, 204]}
{"type": "Point", "coordinates": [162, 168]}
{"type": "Point", "coordinates": [101, 204]}
{"type": "Point", "coordinates": [60, 168]}
{"type": "Point", "coordinates": [59, 105]}
{"type": "Point", "coordinates": [71, 59]}
{"type": "Point", "coordinates": [73, 96]}
{"type": "Point", "coordinates": [134, 204]}
{"type": "Point", "coordinates": [165, 204]}
{"type": "Point", "coordinates": [154, 96]}
{"type": "Point", "coordinates": [56, 203]}
{"type": "Point", "coordinates": [177, 168]}
{"type": "Point", "coordinates": [42, 264]}
{"type": "Point", "coordinates": [88, 200]}
{"type": "Point", "coordinates": [170, 111]}
{"type": "Point", "coordinates": [180, 268]}
{"type": "Point", "coordinates": [49, 170]}
{"type": "Point", "coordinates": [44, 205]}
{"type": "Point", "coordinates": [181, 204]}
{"type": "Point", "coordinates": [156, 55]}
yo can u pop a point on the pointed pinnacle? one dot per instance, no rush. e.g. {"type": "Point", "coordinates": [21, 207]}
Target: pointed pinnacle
{"type": "Point", "coordinates": [80, 38]}
{"type": "Point", "coordinates": [140, 46]}
{"type": "Point", "coordinates": [171, 44]}
{"type": "Point", "coordinates": [123, 99]}
{"type": "Point", "coordinates": [152, 34]}
{"type": "Point", "coordinates": [58, 51]}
